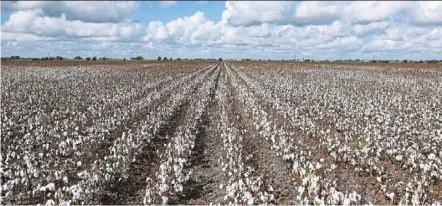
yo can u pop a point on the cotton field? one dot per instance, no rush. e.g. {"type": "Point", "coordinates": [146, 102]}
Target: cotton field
{"type": "Point", "coordinates": [199, 132]}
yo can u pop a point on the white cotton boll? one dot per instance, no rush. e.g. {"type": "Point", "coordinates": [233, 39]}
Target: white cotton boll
{"type": "Point", "coordinates": [346, 202]}
{"type": "Point", "coordinates": [399, 158]}
{"type": "Point", "coordinates": [65, 180]}
{"type": "Point", "coordinates": [82, 174]}
{"type": "Point", "coordinates": [42, 189]}
{"type": "Point", "coordinates": [391, 196]}
{"type": "Point", "coordinates": [250, 201]}
{"type": "Point", "coordinates": [164, 199]}
{"type": "Point", "coordinates": [318, 166]}
{"type": "Point", "coordinates": [301, 190]}
{"type": "Point", "coordinates": [79, 164]}
{"type": "Point", "coordinates": [50, 202]}
{"type": "Point", "coordinates": [50, 186]}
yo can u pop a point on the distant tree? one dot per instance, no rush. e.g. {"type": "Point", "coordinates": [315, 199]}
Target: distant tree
{"type": "Point", "coordinates": [159, 58]}
{"type": "Point", "coordinates": [220, 59]}
{"type": "Point", "coordinates": [138, 58]}
{"type": "Point", "coordinates": [88, 58]}
{"type": "Point", "coordinates": [94, 58]}
{"type": "Point", "coordinates": [124, 59]}
{"type": "Point", "coordinates": [420, 61]}
{"type": "Point", "coordinates": [178, 59]}
{"type": "Point", "coordinates": [170, 59]}
{"type": "Point", "coordinates": [306, 60]}
{"type": "Point", "coordinates": [78, 58]}
{"type": "Point", "coordinates": [165, 59]}
{"type": "Point", "coordinates": [59, 58]}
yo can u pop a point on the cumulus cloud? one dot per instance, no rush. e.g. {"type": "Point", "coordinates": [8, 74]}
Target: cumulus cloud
{"type": "Point", "coordinates": [246, 13]}
{"type": "Point", "coordinates": [254, 29]}
{"type": "Point", "coordinates": [88, 11]}
{"type": "Point", "coordinates": [426, 13]}
{"type": "Point", "coordinates": [187, 30]}
{"type": "Point", "coordinates": [165, 4]}
{"type": "Point", "coordinates": [32, 22]}
{"type": "Point", "coordinates": [314, 12]}
{"type": "Point", "coordinates": [371, 28]}
{"type": "Point", "coordinates": [364, 12]}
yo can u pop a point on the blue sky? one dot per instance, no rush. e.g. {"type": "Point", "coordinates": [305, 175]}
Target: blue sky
{"type": "Point", "coordinates": [152, 11]}
{"type": "Point", "coordinates": [198, 29]}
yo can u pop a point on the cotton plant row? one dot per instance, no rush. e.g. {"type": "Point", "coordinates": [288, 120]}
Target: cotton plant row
{"type": "Point", "coordinates": [362, 154]}
{"type": "Point", "coordinates": [243, 185]}
{"type": "Point", "coordinates": [34, 175]}
{"type": "Point", "coordinates": [37, 139]}
{"type": "Point", "coordinates": [306, 164]}
{"type": "Point", "coordinates": [388, 194]}
{"type": "Point", "coordinates": [295, 153]}
{"type": "Point", "coordinates": [115, 165]}
{"type": "Point", "coordinates": [289, 82]}
{"type": "Point", "coordinates": [172, 173]}
{"type": "Point", "coordinates": [384, 117]}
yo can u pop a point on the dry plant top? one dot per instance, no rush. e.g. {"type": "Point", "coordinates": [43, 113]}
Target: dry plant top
{"type": "Point", "coordinates": [200, 132]}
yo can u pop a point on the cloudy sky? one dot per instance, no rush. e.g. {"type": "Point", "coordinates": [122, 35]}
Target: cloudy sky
{"type": "Point", "coordinates": [239, 29]}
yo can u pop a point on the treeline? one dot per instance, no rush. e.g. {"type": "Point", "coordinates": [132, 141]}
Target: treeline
{"type": "Point", "coordinates": [347, 60]}
{"type": "Point", "coordinates": [79, 58]}
{"type": "Point", "coordinates": [159, 58]}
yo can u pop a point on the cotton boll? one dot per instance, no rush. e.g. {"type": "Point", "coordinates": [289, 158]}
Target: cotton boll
{"type": "Point", "coordinates": [65, 180]}
{"type": "Point", "coordinates": [346, 202]}
{"type": "Point", "coordinates": [50, 202]}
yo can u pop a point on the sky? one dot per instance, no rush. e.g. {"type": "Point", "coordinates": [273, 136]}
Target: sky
{"type": "Point", "coordinates": [237, 29]}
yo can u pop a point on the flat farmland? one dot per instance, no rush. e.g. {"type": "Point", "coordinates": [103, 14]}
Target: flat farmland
{"type": "Point", "coordinates": [200, 132]}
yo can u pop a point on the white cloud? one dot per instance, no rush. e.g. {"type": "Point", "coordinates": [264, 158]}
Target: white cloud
{"type": "Point", "coordinates": [246, 13]}
{"type": "Point", "coordinates": [427, 13]}
{"type": "Point", "coordinates": [371, 28]}
{"type": "Point", "coordinates": [88, 11]}
{"type": "Point", "coordinates": [32, 22]}
{"type": "Point", "coordinates": [165, 4]}
{"type": "Point", "coordinates": [246, 29]}
{"type": "Point", "coordinates": [364, 12]}
{"type": "Point", "coordinates": [10, 36]}
{"type": "Point", "coordinates": [314, 12]}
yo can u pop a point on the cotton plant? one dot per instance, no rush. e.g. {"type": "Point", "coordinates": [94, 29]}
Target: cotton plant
{"type": "Point", "coordinates": [350, 153]}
